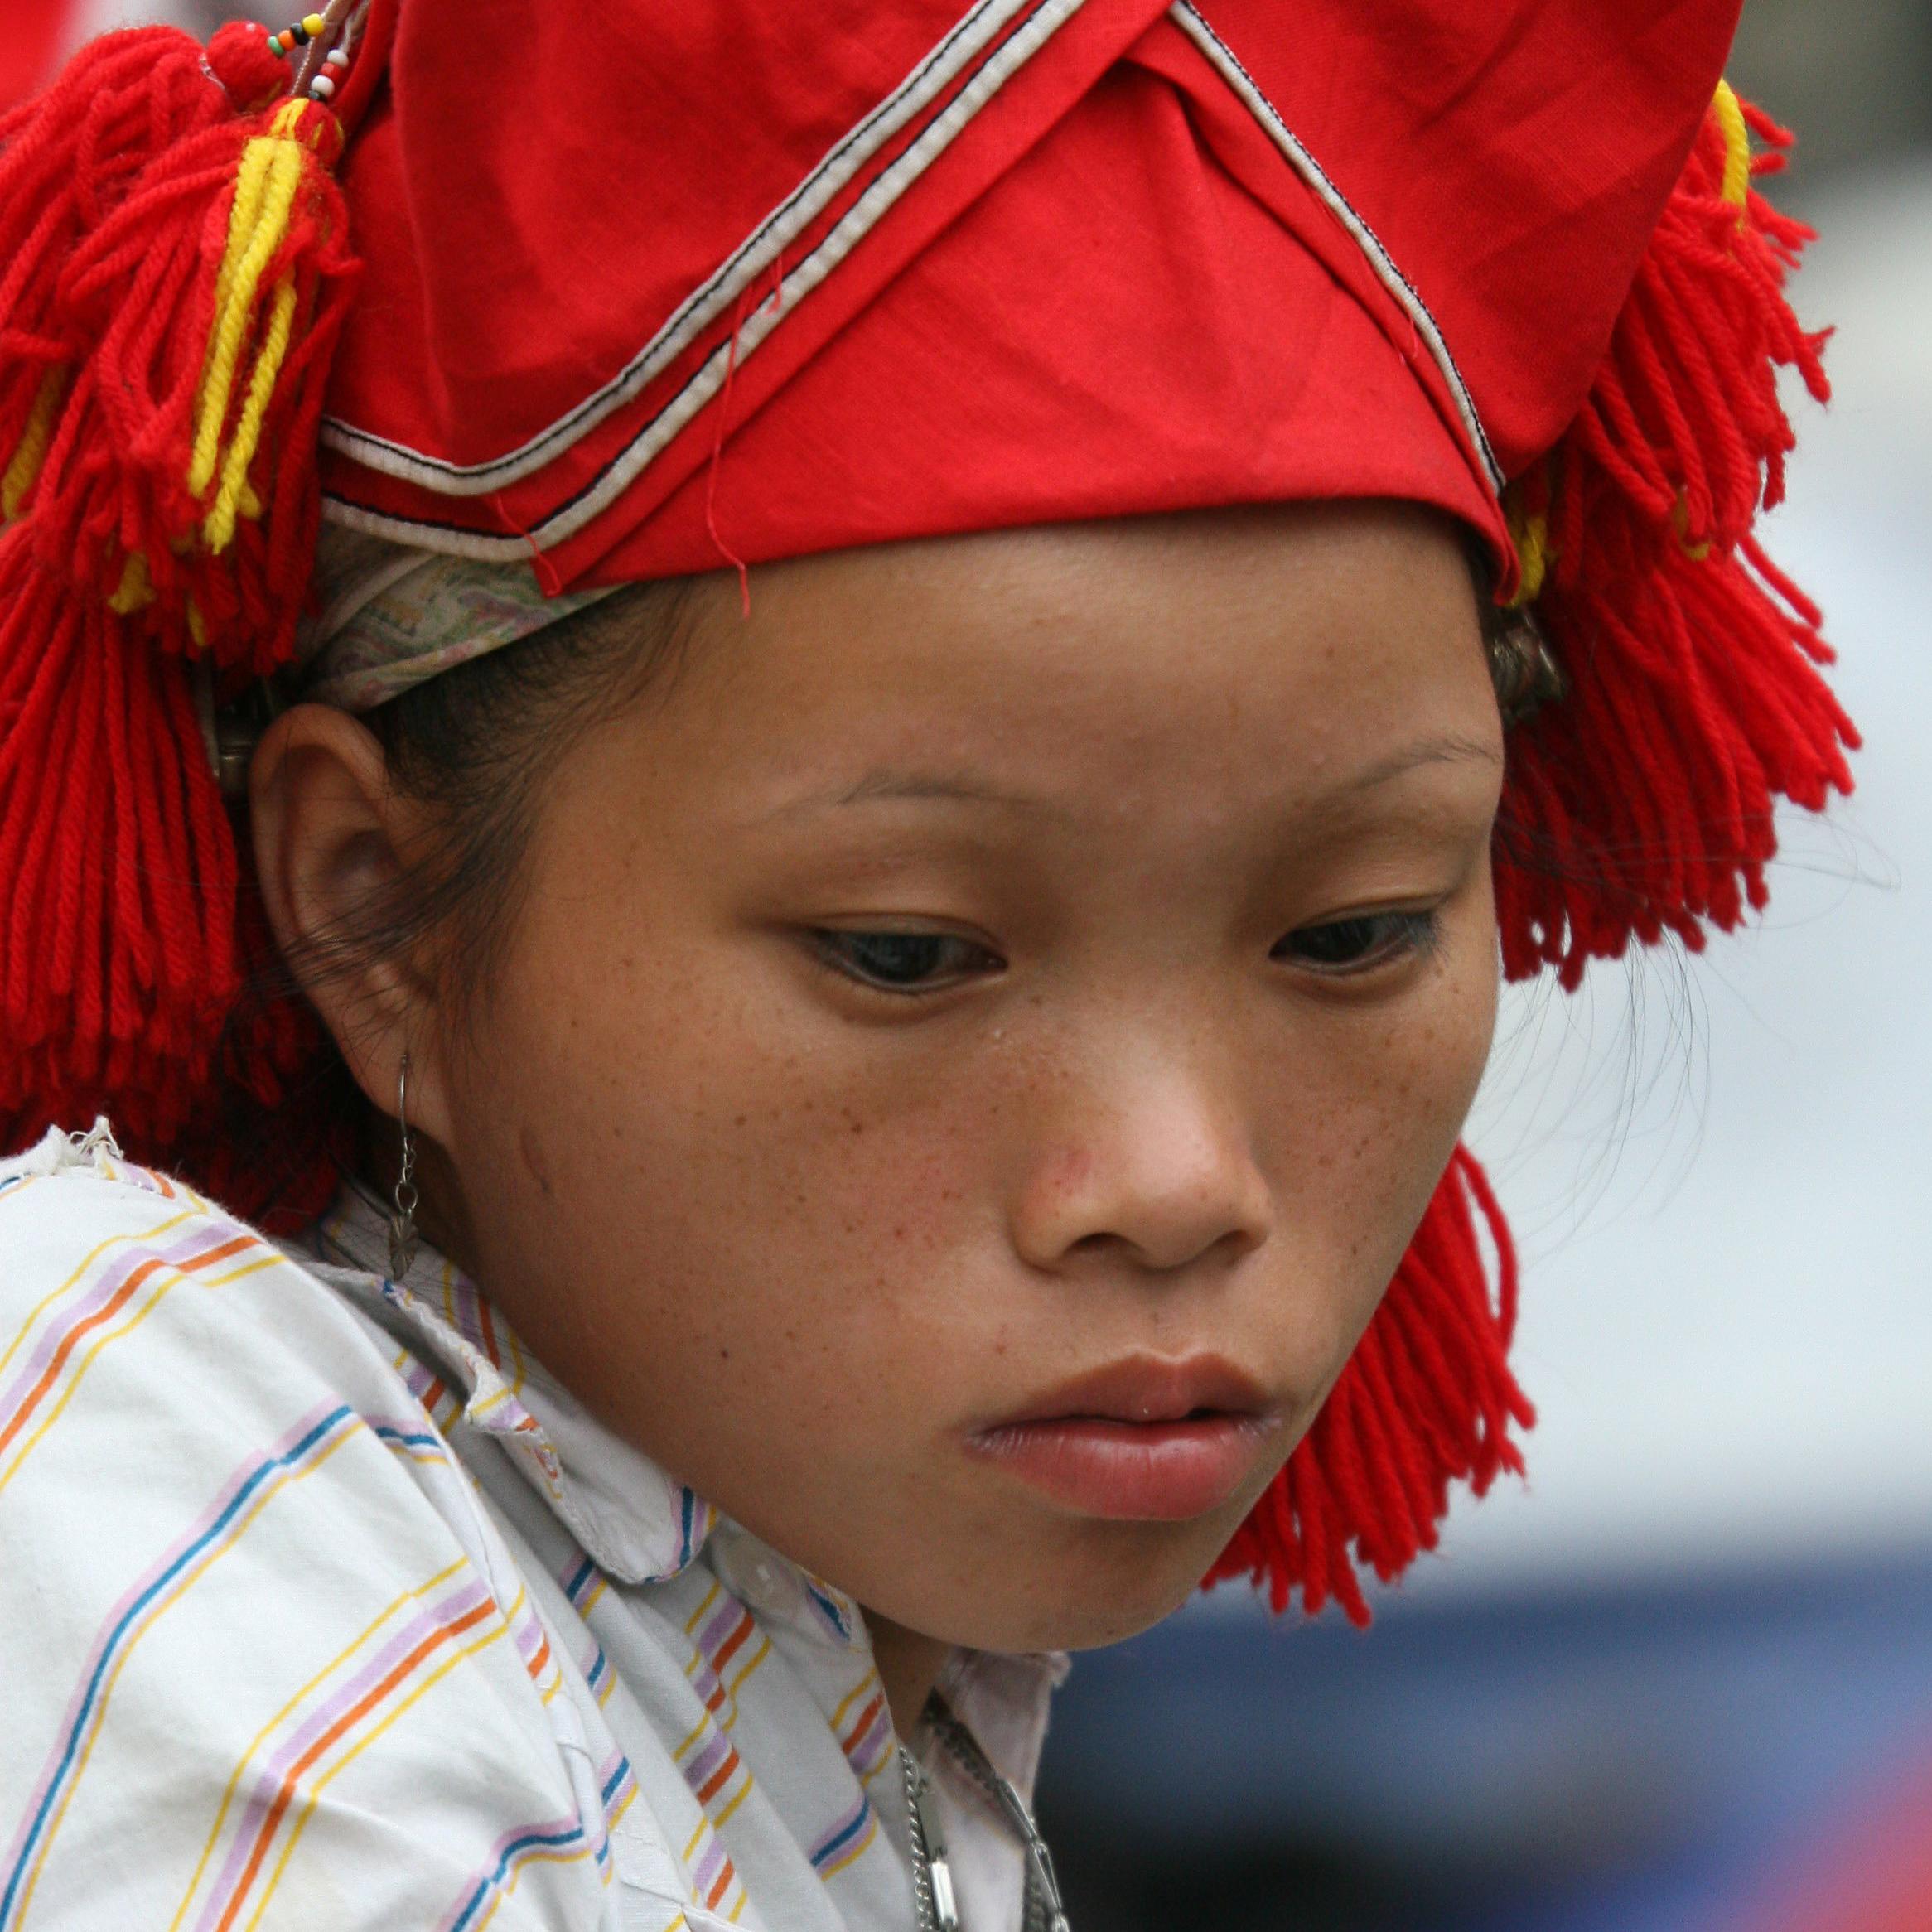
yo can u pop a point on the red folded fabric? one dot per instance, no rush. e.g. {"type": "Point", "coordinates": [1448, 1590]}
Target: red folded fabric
{"type": "Point", "coordinates": [1026, 260]}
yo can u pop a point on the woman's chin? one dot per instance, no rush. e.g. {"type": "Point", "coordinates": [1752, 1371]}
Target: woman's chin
{"type": "Point", "coordinates": [1094, 1598]}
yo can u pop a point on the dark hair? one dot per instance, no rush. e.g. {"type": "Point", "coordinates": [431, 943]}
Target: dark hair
{"type": "Point", "coordinates": [1523, 669]}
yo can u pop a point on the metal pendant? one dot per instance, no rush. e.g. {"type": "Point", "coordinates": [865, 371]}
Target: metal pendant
{"type": "Point", "coordinates": [932, 1877]}
{"type": "Point", "coordinates": [1043, 1911]}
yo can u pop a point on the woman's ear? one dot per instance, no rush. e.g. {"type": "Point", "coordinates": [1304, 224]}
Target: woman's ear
{"type": "Point", "coordinates": [332, 839]}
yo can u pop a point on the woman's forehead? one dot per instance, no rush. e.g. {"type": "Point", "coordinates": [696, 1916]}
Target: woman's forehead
{"type": "Point", "coordinates": [1230, 606]}
{"type": "Point", "coordinates": [1271, 661]}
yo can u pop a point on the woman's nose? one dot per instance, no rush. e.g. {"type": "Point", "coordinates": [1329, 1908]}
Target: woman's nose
{"type": "Point", "coordinates": [1151, 1164]}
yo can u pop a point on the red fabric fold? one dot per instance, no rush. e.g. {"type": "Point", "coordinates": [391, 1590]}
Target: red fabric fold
{"type": "Point", "coordinates": [966, 266]}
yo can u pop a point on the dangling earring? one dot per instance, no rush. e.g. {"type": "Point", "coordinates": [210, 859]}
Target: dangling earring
{"type": "Point", "coordinates": [403, 1221]}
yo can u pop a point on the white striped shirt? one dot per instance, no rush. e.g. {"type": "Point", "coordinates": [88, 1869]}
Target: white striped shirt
{"type": "Point", "coordinates": [322, 1605]}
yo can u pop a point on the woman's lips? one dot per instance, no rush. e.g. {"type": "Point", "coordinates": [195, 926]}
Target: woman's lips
{"type": "Point", "coordinates": [1153, 1472]}
{"type": "Point", "coordinates": [1142, 1440]}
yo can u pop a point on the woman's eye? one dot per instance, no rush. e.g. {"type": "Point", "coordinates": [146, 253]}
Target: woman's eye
{"type": "Point", "coordinates": [903, 962]}
{"type": "Point", "coordinates": [1360, 943]}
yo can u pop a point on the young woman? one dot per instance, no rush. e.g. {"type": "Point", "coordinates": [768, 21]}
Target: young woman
{"type": "Point", "coordinates": [818, 1054]}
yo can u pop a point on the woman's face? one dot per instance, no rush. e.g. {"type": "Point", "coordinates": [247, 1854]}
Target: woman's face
{"type": "Point", "coordinates": [978, 1043]}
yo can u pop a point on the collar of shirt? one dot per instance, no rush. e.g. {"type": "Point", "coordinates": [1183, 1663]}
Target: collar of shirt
{"type": "Point", "coordinates": [636, 1522]}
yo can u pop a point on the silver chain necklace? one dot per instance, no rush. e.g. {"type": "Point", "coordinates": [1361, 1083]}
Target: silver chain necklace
{"type": "Point", "coordinates": [932, 1875]}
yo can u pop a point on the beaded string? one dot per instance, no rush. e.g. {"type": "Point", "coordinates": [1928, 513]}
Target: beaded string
{"type": "Point", "coordinates": [318, 79]}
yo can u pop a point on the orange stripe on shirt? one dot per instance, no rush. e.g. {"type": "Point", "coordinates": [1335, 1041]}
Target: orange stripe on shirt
{"type": "Point", "coordinates": [719, 1779]}
{"type": "Point", "coordinates": [285, 1796]}
{"type": "Point", "coordinates": [489, 1329]}
{"type": "Point", "coordinates": [863, 1724]}
{"type": "Point", "coordinates": [105, 1313]}
{"type": "Point", "coordinates": [729, 1648]}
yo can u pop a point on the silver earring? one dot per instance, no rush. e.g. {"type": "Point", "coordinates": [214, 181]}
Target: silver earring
{"type": "Point", "coordinates": [403, 1221]}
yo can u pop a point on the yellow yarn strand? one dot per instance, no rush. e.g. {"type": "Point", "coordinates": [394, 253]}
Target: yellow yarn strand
{"type": "Point", "coordinates": [218, 374]}
{"type": "Point", "coordinates": [1680, 522]}
{"type": "Point", "coordinates": [23, 472]}
{"type": "Point", "coordinates": [1730, 115]}
{"type": "Point", "coordinates": [266, 186]}
{"type": "Point", "coordinates": [137, 590]}
{"type": "Point", "coordinates": [1529, 532]}
{"type": "Point", "coordinates": [234, 495]}
{"type": "Point", "coordinates": [1532, 554]}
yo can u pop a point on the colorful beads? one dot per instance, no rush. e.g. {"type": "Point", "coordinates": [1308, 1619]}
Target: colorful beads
{"type": "Point", "coordinates": [334, 65]}
{"type": "Point", "coordinates": [304, 30]}
{"type": "Point", "coordinates": [308, 28]}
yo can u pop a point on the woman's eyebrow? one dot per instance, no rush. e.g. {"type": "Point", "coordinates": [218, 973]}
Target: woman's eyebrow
{"type": "Point", "coordinates": [888, 784]}
{"type": "Point", "coordinates": [891, 786]}
{"type": "Point", "coordinates": [1442, 748]}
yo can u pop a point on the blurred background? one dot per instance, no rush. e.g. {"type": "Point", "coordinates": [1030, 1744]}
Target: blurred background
{"type": "Point", "coordinates": [1682, 1681]}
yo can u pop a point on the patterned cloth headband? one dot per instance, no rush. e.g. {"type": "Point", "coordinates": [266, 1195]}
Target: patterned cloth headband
{"type": "Point", "coordinates": [392, 616]}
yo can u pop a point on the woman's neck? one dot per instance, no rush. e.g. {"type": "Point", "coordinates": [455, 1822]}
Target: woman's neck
{"type": "Point", "coordinates": [909, 1665]}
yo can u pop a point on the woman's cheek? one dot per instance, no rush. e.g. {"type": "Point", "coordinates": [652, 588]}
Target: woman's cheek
{"type": "Point", "coordinates": [808, 1190]}
{"type": "Point", "coordinates": [1367, 1143]}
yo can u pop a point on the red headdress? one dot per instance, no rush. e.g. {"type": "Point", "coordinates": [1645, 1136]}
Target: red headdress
{"type": "Point", "coordinates": [741, 280]}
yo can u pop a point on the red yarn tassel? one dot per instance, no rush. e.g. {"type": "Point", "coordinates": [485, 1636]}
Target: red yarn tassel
{"type": "Point", "coordinates": [176, 272]}
{"type": "Point", "coordinates": [119, 966]}
{"type": "Point", "coordinates": [1643, 804]}
{"type": "Point", "coordinates": [1426, 1401]}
